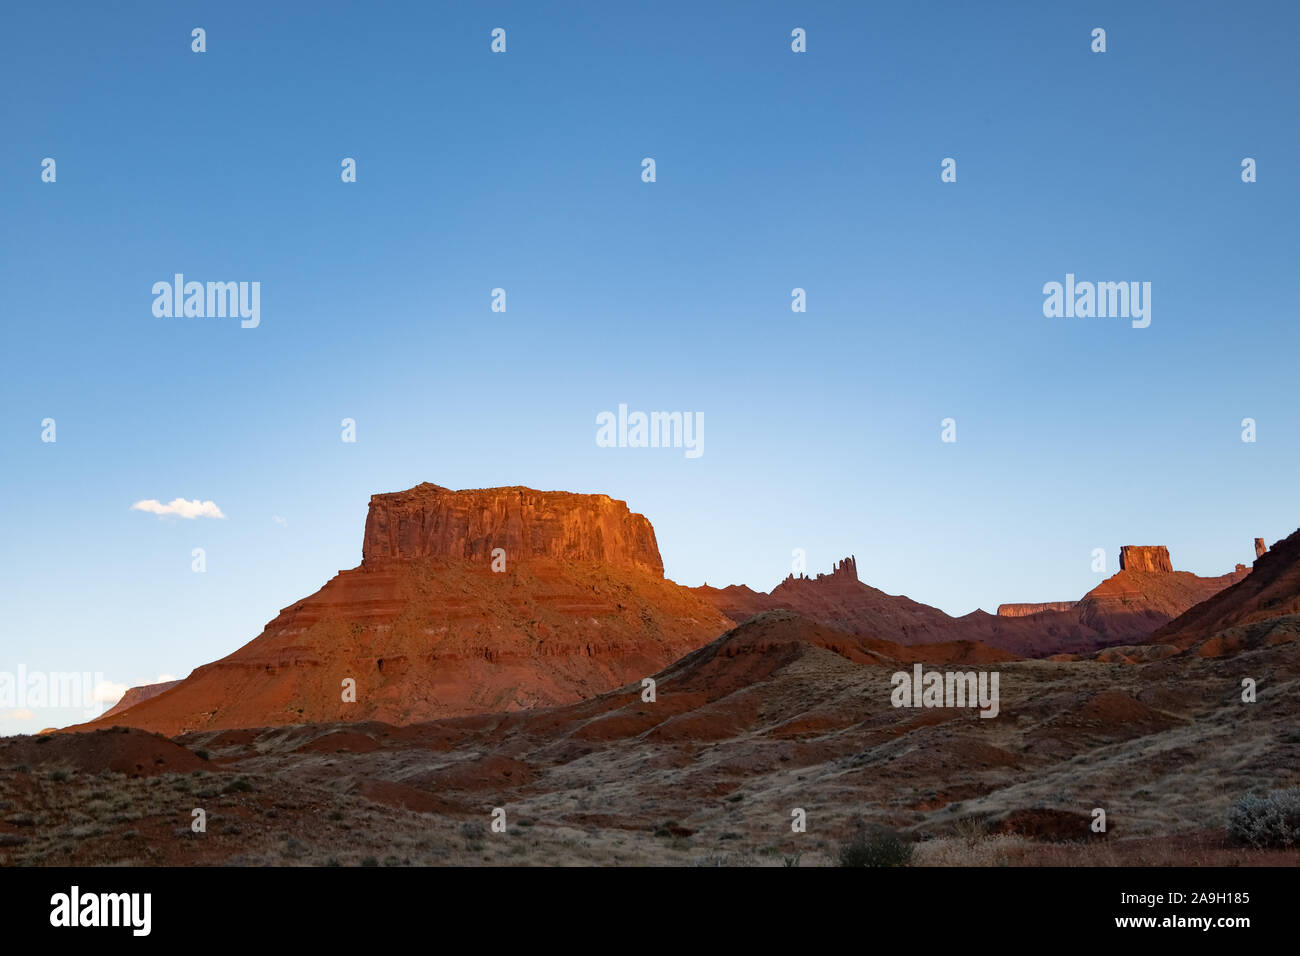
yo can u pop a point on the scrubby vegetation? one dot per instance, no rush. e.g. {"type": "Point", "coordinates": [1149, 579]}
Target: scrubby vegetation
{"type": "Point", "coordinates": [1270, 821]}
{"type": "Point", "coordinates": [876, 846]}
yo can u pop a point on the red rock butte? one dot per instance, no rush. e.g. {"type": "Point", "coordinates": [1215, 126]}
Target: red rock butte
{"type": "Point", "coordinates": [430, 626]}
{"type": "Point", "coordinates": [429, 521]}
{"type": "Point", "coordinates": [1133, 557]}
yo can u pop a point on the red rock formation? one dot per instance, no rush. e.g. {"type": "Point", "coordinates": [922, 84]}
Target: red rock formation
{"type": "Point", "coordinates": [427, 629]}
{"type": "Point", "coordinates": [844, 570]}
{"type": "Point", "coordinates": [737, 601]}
{"type": "Point", "coordinates": [1260, 547]}
{"type": "Point", "coordinates": [136, 694]}
{"type": "Point", "coordinates": [430, 521]}
{"type": "Point", "coordinates": [1134, 557]}
{"type": "Point", "coordinates": [1123, 609]}
{"type": "Point", "coordinates": [1025, 610]}
{"type": "Point", "coordinates": [1271, 591]}
{"type": "Point", "coordinates": [1127, 607]}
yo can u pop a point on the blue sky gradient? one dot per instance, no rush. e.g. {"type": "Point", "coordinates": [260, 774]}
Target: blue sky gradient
{"type": "Point", "coordinates": [522, 171]}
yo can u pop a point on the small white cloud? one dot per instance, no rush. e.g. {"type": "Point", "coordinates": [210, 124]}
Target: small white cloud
{"type": "Point", "coordinates": [180, 507]}
{"type": "Point", "coordinates": [109, 692]}
{"type": "Point", "coordinates": [278, 520]}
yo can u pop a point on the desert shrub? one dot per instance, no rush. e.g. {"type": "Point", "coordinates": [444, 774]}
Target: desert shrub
{"type": "Point", "coordinates": [1271, 821]}
{"type": "Point", "coordinates": [969, 829]}
{"type": "Point", "coordinates": [876, 846]}
{"type": "Point", "coordinates": [238, 786]}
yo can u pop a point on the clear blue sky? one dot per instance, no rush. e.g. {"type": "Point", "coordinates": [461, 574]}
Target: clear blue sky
{"type": "Point", "coordinates": [523, 171]}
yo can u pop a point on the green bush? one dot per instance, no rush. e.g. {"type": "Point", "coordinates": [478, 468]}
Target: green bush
{"type": "Point", "coordinates": [1271, 821]}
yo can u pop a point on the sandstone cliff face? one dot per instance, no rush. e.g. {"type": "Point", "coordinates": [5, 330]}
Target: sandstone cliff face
{"type": "Point", "coordinates": [1025, 610]}
{"type": "Point", "coordinates": [1154, 558]}
{"type": "Point", "coordinates": [1260, 547]}
{"type": "Point", "coordinates": [430, 521]}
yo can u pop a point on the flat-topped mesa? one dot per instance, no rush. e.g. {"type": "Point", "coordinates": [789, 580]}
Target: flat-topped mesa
{"type": "Point", "coordinates": [1025, 610]}
{"type": "Point", "coordinates": [1134, 557]}
{"type": "Point", "coordinates": [430, 521]}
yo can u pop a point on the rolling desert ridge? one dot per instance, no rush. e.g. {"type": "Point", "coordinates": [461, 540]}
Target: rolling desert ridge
{"type": "Point", "coordinates": [528, 688]}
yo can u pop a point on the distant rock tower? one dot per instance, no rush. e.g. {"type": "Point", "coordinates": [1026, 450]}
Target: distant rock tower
{"type": "Point", "coordinates": [1260, 547]}
{"type": "Point", "coordinates": [845, 571]}
{"type": "Point", "coordinates": [847, 568]}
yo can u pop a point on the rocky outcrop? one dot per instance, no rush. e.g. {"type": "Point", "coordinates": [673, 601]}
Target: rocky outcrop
{"type": "Point", "coordinates": [845, 570]}
{"type": "Point", "coordinates": [430, 521]}
{"type": "Point", "coordinates": [137, 694]}
{"type": "Point", "coordinates": [1025, 610]}
{"type": "Point", "coordinates": [1260, 547]}
{"type": "Point", "coordinates": [1134, 557]}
